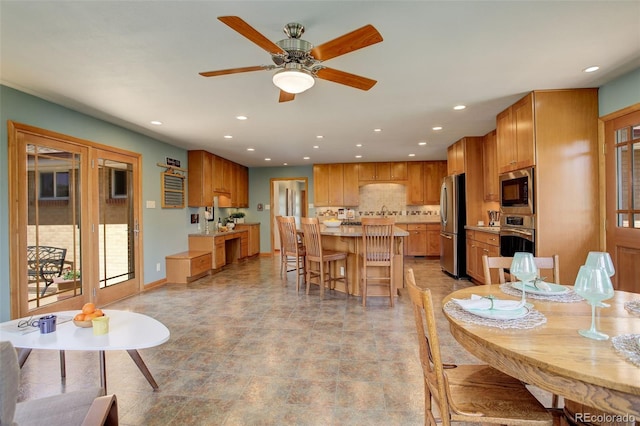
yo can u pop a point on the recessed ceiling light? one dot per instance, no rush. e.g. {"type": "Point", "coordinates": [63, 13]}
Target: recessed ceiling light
{"type": "Point", "coordinates": [267, 159]}
{"type": "Point", "coordinates": [241, 117]}
{"type": "Point", "coordinates": [422, 143]}
{"type": "Point", "coordinates": [316, 147]}
{"type": "Point", "coordinates": [156, 123]}
{"type": "Point", "coordinates": [228, 137]}
{"type": "Point", "coordinates": [285, 164]}
{"type": "Point", "coordinates": [358, 156]}
{"type": "Point", "coordinates": [319, 137]}
{"type": "Point", "coordinates": [377, 130]}
{"type": "Point", "coordinates": [251, 149]}
{"type": "Point", "coordinates": [459, 107]}
{"type": "Point", "coordinates": [359, 145]}
{"type": "Point", "coordinates": [436, 128]}
{"type": "Point", "coordinates": [412, 155]}
{"type": "Point", "coordinates": [305, 158]}
{"type": "Point", "coordinates": [591, 69]}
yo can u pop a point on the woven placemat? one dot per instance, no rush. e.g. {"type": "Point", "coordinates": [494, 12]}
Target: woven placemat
{"type": "Point", "coordinates": [628, 345]}
{"type": "Point", "coordinates": [533, 319]}
{"type": "Point", "coordinates": [569, 297]}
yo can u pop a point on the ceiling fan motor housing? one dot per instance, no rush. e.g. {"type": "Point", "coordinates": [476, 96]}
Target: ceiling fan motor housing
{"type": "Point", "coordinates": [297, 51]}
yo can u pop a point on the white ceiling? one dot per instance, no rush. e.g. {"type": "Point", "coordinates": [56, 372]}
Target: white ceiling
{"type": "Point", "coordinates": [130, 62]}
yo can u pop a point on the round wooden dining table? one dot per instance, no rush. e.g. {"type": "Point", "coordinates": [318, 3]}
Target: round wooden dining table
{"type": "Point", "coordinates": [554, 357]}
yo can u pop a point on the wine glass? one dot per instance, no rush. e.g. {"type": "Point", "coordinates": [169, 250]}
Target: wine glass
{"type": "Point", "coordinates": [524, 268]}
{"type": "Point", "coordinates": [601, 259]}
{"type": "Point", "coordinates": [594, 285]}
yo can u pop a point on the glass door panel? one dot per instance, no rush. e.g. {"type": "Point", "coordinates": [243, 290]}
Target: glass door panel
{"type": "Point", "coordinates": [53, 241]}
{"type": "Point", "coordinates": [117, 227]}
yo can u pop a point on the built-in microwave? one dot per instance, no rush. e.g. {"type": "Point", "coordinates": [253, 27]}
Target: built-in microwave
{"type": "Point", "coordinates": [516, 192]}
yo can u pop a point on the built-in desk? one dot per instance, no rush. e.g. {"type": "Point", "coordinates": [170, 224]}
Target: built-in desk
{"type": "Point", "coordinates": [226, 247]}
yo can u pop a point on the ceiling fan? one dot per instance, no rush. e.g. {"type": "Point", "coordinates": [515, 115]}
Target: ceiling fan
{"type": "Point", "coordinates": [298, 61]}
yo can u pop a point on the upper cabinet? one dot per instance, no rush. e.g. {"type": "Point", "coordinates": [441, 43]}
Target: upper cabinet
{"type": "Point", "coordinates": [423, 181]}
{"type": "Point", "coordinates": [456, 158]}
{"type": "Point", "coordinates": [213, 175]}
{"type": "Point", "coordinates": [490, 167]}
{"type": "Point", "coordinates": [200, 179]}
{"type": "Point", "coordinates": [350, 184]}
{"type": "Point", "coordinates": [328, 185]}
{"type": "Point", "coordinates": [516, 136]}
{"type": "Point", "coordinates": [388, 172]}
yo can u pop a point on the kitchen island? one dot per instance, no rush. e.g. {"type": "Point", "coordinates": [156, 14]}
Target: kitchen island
{"type": "Point", "coordinates": [349, 239]}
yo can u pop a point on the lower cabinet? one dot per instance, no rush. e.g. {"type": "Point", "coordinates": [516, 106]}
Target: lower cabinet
{"type": "Point", "coordinates": [253, 238]}
{"type": "Point", "coordinates": [187, 266]}
{"type": "Point", "coordinates": [481, 243]}
{"type": "Point", "coordinates": [226, 247]}
{"type": "Point", "coordinates": [423, 239]}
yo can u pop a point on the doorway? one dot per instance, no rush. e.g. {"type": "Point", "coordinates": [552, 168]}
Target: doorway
{"type": "Point", "coordinates": [288, 198]}
{"type": "Point", "coordinates": [622, 170]}
{"type": "Point", "coordinates": [75, 213]}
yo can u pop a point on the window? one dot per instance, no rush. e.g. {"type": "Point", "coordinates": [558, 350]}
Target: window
{"type": "Point", "coordinates": [119, 183]}
{"type": "Point", "coordinates": [627, 149]}
{"type": "Point", "coordinates": [54, 185]}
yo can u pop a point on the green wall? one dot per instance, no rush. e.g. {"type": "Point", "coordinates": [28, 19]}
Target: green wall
{"type": "Point", "coordinates": [165, 230]}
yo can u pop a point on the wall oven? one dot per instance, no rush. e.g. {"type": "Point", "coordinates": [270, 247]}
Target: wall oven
{"type": "Point", "coordinates": [517, 234]}
{"type": "Point", "coordinates": [516, 192]}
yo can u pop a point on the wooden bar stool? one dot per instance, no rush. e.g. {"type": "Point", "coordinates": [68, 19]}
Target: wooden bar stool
{"type": "Point", "coordinates": [377, 255]}
{"type": "Point", "coordinates": [321, 263]}
{"type": "Point", "coordinates": [292, 250]}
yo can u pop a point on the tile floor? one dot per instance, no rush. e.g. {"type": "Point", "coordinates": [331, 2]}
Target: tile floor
{"type": "Point", "coordinates": [245, 349]}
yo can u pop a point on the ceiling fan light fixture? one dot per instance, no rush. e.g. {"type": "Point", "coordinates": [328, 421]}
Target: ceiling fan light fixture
{"type": "Point", "coordinates": [293, 79]}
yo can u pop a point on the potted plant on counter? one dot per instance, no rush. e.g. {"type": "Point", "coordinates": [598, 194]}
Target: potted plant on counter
{"type": "Point", "coordinates": [238, 217]}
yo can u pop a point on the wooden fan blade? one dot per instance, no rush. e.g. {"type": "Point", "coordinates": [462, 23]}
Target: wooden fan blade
{"type": "Point", "coordinates": [239, 25]}
{"type": "Point", "coordinates": [357, 39]}
{"type": "Point", "coordinates": [345, 78]}
{"type": "Point", "coordinates": [286, 96]}
{"type": "Point", "coordinates": [232, 71]}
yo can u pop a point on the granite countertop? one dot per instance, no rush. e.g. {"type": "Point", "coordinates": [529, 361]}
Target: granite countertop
{"type": "Point", "coordinates": [490, 229]}
{"type": "Point", "coordinates": [216, 233]}
{"type": "Point", "coordinates": [354, 231]}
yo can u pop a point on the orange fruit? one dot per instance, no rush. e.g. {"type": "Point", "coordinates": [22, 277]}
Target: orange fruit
{"type": "Point", "coordinates": [98, 313]}
{"type": "Point", "coordinates": [88, 308]}
{"type": "Point", "coordinates": [89, 317]}
{"type": "Point", "coordinates": [79, 317]}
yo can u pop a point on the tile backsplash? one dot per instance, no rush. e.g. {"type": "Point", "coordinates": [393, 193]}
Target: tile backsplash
{"type": "Point", "coordinates": [393, 196]}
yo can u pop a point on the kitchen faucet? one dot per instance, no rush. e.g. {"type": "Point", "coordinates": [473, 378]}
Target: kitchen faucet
{"type": "Point", "coordinates": [384, 210]}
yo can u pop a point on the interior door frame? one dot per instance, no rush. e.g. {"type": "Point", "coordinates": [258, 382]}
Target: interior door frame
{"type": "Point", "coordinates": [607, 178]}
{"type": "Point", "coordinates": [303, 201]}
{"type": "Point", "coordinates": [17, 227]}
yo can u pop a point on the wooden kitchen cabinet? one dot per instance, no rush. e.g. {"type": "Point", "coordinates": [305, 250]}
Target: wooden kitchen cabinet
{"type": "Point", "coordinates": [350, 185]}
{"type": "Point", "coordinates": [187, 266]}
{"type": "Point", "coordinates": [433, 239]}
{"type": "Point", "coordinates": [480, 243]}
{"type": "Point", "coordinates": [415, 183]}
{"type": "Point", "coordinates": [328, 185]}
{"type": "Point", "coordinates": [199, 182]}
{"type": "Point", "coordinates": [384, 172]}
{"type": "Point", "coordinates": [490, 167]}
{"type": "Point", "coordinates": [253, 237]}
{"type": "Point", "coordinates": [434, 173]}
{"type": "Point", "coordinates": [417, 239]}
{"type": "Point", "coordinates": [455, 158]}
{"type": "Point", "coordinates": [238, 195]}
{"type": "Point", "coordinates": [221, 175]}
{"type": "Point", "coordinates": [515, 136]}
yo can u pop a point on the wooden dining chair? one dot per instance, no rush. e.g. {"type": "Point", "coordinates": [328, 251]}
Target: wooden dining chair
{"type": "Point", "coordinates": [467, 393]}
{"type": "Point", "coordinates": [376, 258]}
{"type": "Point", "coordinates": [500, 264]}
{"type": "Point", "coordinates": [321, 263]}
{"type": "Point", "coordinates": [548, 264]}
{"type": "Point", "coordinates": [292, 250]}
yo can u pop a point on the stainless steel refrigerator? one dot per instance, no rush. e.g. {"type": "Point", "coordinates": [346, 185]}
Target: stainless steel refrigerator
{"type": "Point", "coordinates": [452, 233]}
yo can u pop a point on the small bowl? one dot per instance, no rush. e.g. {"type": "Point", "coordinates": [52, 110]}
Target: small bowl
{"type": "Point", "coordinates": [83, 324]}
{"type": "Point", "coordinates": [332, 223]}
